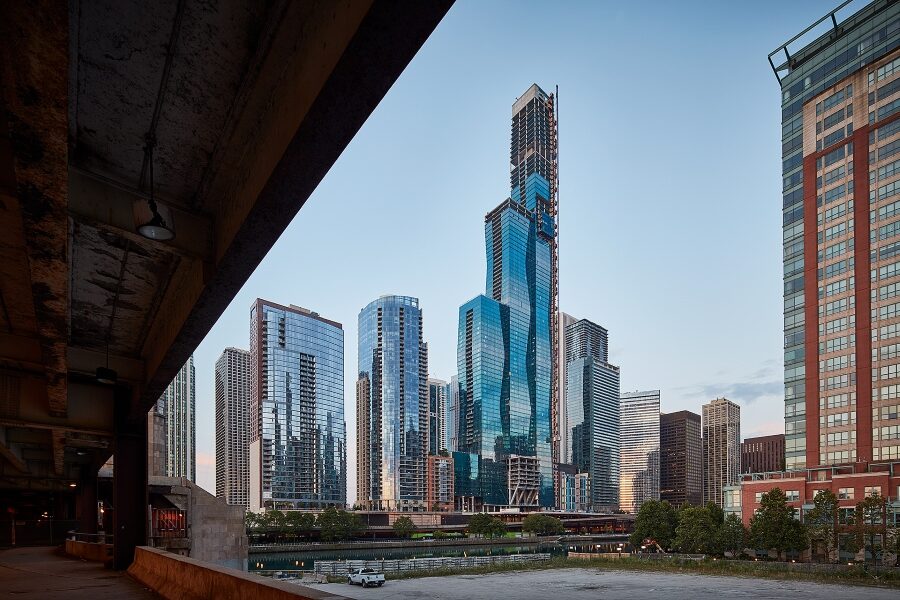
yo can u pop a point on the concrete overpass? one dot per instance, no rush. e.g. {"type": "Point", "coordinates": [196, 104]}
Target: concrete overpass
{"type": "Point", "coordinates": [235, 110]}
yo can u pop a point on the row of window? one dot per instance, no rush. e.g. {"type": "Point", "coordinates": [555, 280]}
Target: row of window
{"type": "Point", "coordinates": [837, 400]}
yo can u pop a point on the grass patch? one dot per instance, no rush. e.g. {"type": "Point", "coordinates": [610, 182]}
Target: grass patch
{"type": "Point", "coordinates": [731, 568]}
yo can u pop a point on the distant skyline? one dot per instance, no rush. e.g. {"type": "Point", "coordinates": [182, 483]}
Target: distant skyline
{"type": "Point", "coordinates": [670, 199]}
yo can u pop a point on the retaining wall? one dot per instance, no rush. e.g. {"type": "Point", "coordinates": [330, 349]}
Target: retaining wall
{"type": "Point", "coordinates": [177, 577]}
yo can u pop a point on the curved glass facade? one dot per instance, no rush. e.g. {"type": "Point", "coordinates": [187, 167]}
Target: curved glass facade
{"type": "Point", "coordinates": [393, 366]}
{"type": "Point", "coordinates": [505, 351]}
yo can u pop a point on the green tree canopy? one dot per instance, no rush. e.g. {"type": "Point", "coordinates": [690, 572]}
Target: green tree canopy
{"type": "Point", "coordinates": [497, 528]}
{"type": "Point", "coordinates": [480, 524]}
{"type": "Point", "coordinates": [733, 535]}
{"type": "Point", "coordinates": [656, 521]}
{"type": "Point", "coordinates": [337, 524]}
{"type": "Point", "coordinates": [821, 521]}
{"type": "Point", "coordinates": [774, 527]}
{"type": "Point", "coordinates": [542, 524]}
{"type": "Point", "coordinates": [697, 531]}
{"type": "Point", "coordinates": [869, 525]}
{"type": "Point", "coordinates": [716, 513]}
{"type": "Point", "coordinates": [404, 527]}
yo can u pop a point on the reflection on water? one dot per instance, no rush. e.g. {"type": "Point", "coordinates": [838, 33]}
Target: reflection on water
{"type": "Point", "coordinates": [305, 561]}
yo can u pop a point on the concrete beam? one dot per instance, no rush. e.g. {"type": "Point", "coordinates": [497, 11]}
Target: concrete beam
{"type": "Point", "coordinates": [85, 361]}
{"type": "Point", "coordinates": [107, 205]}
{"type": "Point", "coordinates": [34, 68]}
{"type": "Point", "coordinates": [12, 458]}
{"type": "Point", "coordinates": [320, 73]}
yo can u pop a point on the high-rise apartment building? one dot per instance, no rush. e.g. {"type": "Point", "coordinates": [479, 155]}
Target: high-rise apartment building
{"type": "Point", "coordinates": [680, 458]}
{"type": "Point", "coordinates": [174, 418]}
{"type": "Point", "coordinates": [437, 415]}
{"type": "Point", "coordinates": [563, 449]}
{"type": "Point", "coordinates": [592, 413]}
{"type": "Point", "coordinates": [298, 455]}
{"type": "Point", "coordinates": [232, 388]}
{"type": "Point", "coordinates": [721, 448]}
{"type": "Point", "coordinates": [639, 454]}
{"type": "Point", "coordinates": [507, 337]}
{"type": "Point", "coordinates": [452, 421]}
{"type": "Point", "coordinates": [840, 98]}
{"type": "Point", "coordinates": [764, 454]}
{"type": "Point", "coordinates": [392, 397]}
{"type": "Point", "coordinates": [439, 482]}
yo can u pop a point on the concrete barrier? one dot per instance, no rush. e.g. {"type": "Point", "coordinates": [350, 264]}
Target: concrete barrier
{"type": "Point", "coordinates": [181, 578]}
{"type": "Point", "coordinates": [88, 550]}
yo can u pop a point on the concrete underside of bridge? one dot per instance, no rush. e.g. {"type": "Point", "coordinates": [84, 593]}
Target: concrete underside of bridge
{"type": "Point", "coordinates": [246, 105]}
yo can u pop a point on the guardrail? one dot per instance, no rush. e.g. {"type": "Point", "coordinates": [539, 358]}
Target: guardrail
{"type": "Point", "coordinates": [96, 538]}
{"type": "Point", "coordinates": [315, 546]}
{"type": "Point", "coordinates": [339, 568]}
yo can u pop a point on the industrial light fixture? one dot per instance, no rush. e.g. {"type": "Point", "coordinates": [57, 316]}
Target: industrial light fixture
{"type": "Point", "coordinates": [154, 221]}
{"type": "Point", "coordinates": [71, 485]}
{"type": "Point", "coordinates": [105, 375]}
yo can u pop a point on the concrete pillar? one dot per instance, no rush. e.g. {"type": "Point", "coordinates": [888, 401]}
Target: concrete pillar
{"type": "Point", "coordinates": [129, 480]}
{"type": "Point", "coordinates": [86, 505]}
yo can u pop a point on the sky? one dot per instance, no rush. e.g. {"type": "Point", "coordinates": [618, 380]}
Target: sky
{"type": "Point", "coordinates": [670, 207]}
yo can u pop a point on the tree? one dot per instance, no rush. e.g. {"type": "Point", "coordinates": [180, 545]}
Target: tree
{"type": "Point", "coordinates": [480, 524]}
{"type": "Point", "coordinates": [251, 520]}
{"type": "Point", "coordinates": [655, 522]}
{"type": "Point", "coordinates": [542, 524]}
{"type": "Point", "coordinates": [338, 524]}
{"type": "Point", "coordinates": [716, 512]}
{"type": "Point", "coordinates": [774, 527]}
{"type": "Point", "coordinates": [733, 535]}
{"type": "Point", "coordinates": [496, 528]}
{"type": "Point", "coordinates": [869, 527]}
{"type": "Point", "coordinates": [301, 522]}
{"type": "Point", "coordinates": [404, 527]}
{"type": "Point", "coordinates": [821, 521]}
{"type": "Point", "coordinates": [697, 531]}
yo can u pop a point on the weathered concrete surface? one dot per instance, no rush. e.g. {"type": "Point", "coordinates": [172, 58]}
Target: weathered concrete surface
{"type": "Point", "coordinates": [584, 584]}
{"type": "Point", "coordinates": [179, 578]}
{"type": "Point", "coordinates": [92, 551]}
{"type": "Point", "coordinates": [40, 574]}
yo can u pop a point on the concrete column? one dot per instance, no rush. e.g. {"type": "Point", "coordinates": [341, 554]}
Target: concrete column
{"type": "Point", "coordinates": [86, 505]}
{"type": "Point", "coordinates": [129, 479]}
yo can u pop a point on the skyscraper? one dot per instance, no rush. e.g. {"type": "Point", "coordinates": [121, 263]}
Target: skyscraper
{"type": "Point", "coordinates": [839, 108]}
{"type": "Point", "coordinates": [639, 461]}
{"type": "Point", "coordinates": [232, 383]}
{"type": "Point", "coordinates": [721, 448]}
{"type": "Point", "coordinates": [392, 397]}
{"type": "Point", "coordinates": [175, 420]}
{"type": "Point", "coordinates": [437, 415]}
{"type": "Point", "coordinates": [452, 421]}
{"type": "Point", "coordinates": [592, 422]}
{"type": "Point", "coordinates": [507, 338]}
{"type": "Point", "coordinates": [764, 454]}
{"type": "Point", "coordinates": [563, 450]}
{"type": "Point", "coordinates": [680, 458]}
{"type": "Point", "coordinates": [298, 456]}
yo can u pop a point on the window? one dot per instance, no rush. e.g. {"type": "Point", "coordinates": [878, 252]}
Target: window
{"type": "Point", "coordinates": [888, 109]}
{"type": "Point", "coordinates": [835, 231]}
{"type": "Point", "coordinates": [792, 495]}
{"type": "Point", "coordinates": [758, 497]}
{"type": "Point", "coordinates": [872, 490]}
{"type": "Point", "coordinates": [889, 169]}
{"type": "Point", "coordinates": [884, 72]}
{"type": "Point", "coordinates": [845, 493]}
{"type": "Point", "coordinates": [835, 174]}
{"type": "Point", "coordinates": [833, 119]}
{"type": "Point", "coordinates": [888, 190]}
{"type": "Point", "coordinates": [889, 270]}
{"type": "Point", "coordinates": [833, 100]}
{"type": "Point", "coordinates": [888, 210]}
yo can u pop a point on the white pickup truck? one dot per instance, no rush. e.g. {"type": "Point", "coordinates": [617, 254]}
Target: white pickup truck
{"type": "Point", "coordinates": [366, 577]}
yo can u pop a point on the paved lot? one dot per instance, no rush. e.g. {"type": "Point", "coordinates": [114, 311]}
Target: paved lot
{"type": "Point", "coordinates": [42, 574]}
{"type": "Point", "coordinates": [577, 584]}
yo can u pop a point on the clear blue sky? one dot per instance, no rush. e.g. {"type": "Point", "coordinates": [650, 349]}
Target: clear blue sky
{"type": "Point", "coordinates": [670, 199]}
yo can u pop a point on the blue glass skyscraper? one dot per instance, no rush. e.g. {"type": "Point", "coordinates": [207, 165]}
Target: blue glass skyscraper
{"type": "Point", "coordinates": [392, 404]}
{"type": "Point", "coordinates": [298, 456]}
{"type": "Point", "coordinates": [506, 340]}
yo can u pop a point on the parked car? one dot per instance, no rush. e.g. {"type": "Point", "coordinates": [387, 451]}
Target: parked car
{"type": "Point", "coordinates": [366, 577]}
